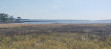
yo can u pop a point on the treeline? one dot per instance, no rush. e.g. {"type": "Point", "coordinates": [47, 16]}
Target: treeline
{"type": "Point", "coordinates": [5, 18]}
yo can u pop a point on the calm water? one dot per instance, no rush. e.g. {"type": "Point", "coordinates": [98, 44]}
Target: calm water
{"type": "Point", "coordinates": [63, 22]}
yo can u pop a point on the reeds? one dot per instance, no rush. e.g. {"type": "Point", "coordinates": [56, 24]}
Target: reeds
{"type": "Point", "coordinates": [55, 37]}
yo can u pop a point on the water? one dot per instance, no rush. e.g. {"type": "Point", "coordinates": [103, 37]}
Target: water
{"type": "Point", "coordinates": [64, 22]}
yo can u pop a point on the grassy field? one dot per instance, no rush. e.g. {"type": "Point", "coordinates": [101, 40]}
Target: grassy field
{"type": "Point", "coordinates": [55, 36]}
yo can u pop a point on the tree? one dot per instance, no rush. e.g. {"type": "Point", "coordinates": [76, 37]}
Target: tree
{"type": "Point", "coordinates": [11, 19]}
{"type": "Point", "coordinates": [3, 17]}
{"type": "Point", "coordinates": [6, 18]}
{"type": "Point", "coordinates": [18, 19]}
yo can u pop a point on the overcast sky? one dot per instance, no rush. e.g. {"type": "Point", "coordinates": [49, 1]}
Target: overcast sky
{"type": "Point", "coordinates": [58, 9]}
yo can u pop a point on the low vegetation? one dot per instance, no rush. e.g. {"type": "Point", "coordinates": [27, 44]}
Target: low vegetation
{"type": "Point", "coordinates": [56, 36]}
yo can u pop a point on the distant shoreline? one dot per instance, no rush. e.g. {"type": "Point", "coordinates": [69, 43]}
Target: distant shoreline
{"type": "Point", "coordinates": [57, 22]}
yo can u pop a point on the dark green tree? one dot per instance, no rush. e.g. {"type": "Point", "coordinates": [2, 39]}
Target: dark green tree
{"type": "Point", "coordinates": [11, 19]}
{"type": "Point", "coordinates": [18, 19]}
{"type": "Point", "coordinates": [3, 17]}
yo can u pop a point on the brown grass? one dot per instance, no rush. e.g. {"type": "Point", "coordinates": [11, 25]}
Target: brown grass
{"type": "Point", "coordinates": [55, 36]}
{"type": "Point", "coordinates": [19, 25]}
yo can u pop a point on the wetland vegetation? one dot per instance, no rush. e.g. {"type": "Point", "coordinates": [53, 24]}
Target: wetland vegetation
{"type": "Point", "coordinates": [55, 36]}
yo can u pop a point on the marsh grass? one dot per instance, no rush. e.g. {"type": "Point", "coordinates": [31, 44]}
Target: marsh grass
{"type": "Point", "coordinates": [45, 37]}
{"type": "Point", "coordinates": [52, 41]}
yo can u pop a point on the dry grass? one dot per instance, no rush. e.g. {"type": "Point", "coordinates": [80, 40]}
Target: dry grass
{"type": "Point", "coordinates": [54, 36]}
{"type": "Point", "coordinates": [13, 25]}
{"type": "Point", "coordinates": [18, 25]}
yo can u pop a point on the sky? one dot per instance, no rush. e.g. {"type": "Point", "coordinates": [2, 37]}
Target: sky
{"type": "Point", "coordinates": [58, 9]}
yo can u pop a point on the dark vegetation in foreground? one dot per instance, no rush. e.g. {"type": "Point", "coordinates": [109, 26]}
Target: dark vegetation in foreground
{"type": "Point", "coordinates": [97, 36]}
